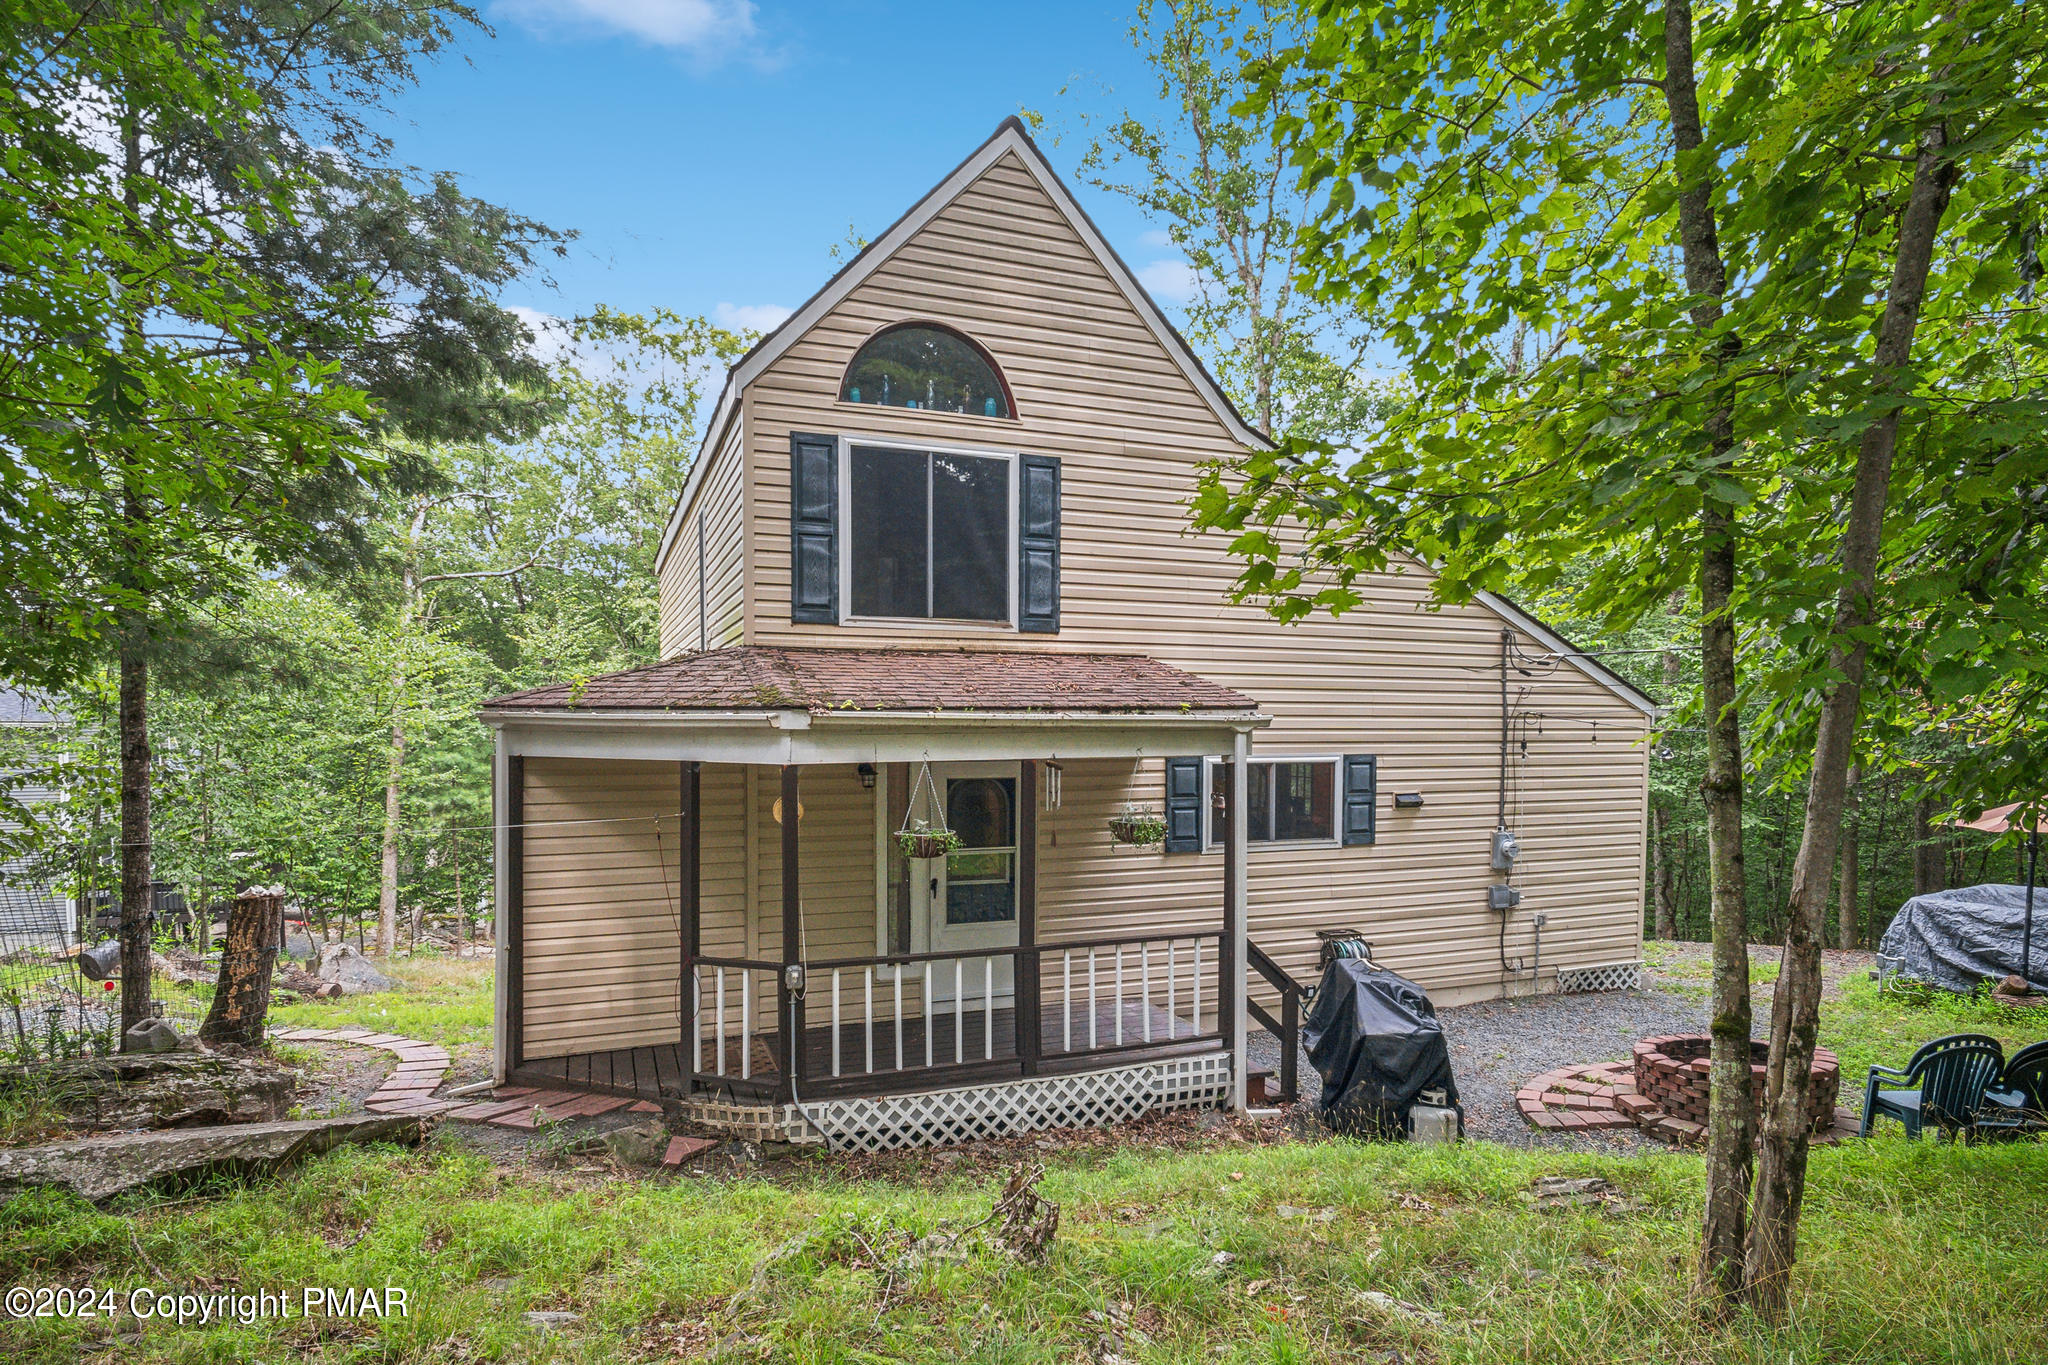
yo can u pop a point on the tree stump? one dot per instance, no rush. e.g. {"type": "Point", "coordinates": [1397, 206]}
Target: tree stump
{"type": "Point", "coordinates": [241, 1000]}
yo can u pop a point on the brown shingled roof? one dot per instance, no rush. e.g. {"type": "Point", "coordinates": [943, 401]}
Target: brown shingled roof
{"type": "Point", "coordinates": [761, 677]}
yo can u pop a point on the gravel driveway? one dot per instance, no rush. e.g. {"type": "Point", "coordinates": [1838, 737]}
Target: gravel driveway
{"type": "Point", "coordinates": [1499, 1044]}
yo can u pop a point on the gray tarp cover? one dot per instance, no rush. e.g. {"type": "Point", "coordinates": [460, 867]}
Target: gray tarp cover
{"type": "Point", "coordinates": [1959, 939]}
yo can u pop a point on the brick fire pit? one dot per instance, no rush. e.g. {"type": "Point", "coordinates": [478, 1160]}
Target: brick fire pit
{"type": "Point", "coordinates": [1671, 1076]}
{"type": "Point", "coordinates": [1663, 1091]}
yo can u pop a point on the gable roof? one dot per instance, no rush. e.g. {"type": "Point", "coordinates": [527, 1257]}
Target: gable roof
{"type": "Point", "coordinates": [1009, 138]}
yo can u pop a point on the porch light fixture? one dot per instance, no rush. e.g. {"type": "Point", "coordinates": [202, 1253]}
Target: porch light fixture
{"type": "Point", "coordinates": [867, 775]}
{"type": "Point", "coordinates": [1408, 801]}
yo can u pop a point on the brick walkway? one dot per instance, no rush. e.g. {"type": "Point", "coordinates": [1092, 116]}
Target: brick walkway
{"type": "Point", "coordinates": [409, 1090]}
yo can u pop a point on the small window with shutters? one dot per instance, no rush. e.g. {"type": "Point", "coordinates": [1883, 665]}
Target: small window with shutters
{"type": "Point", "coordinates": [1293, 800]}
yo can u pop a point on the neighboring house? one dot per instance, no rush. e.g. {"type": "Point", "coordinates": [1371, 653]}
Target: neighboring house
{"type": "Point", "coordinates": [31, 915]}
{"type": "Point", "coordinates": [989, 592]}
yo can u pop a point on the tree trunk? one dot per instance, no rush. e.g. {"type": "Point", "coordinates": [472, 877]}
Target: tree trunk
{"type": "Point", "coordinates": [136, 904]}
{"type": "Point", "coordinates": [1928, 871]}
{"type": "Point", "coordinates": [1719, 1272]}
{"type": "Point", "coordinates": [1731, 1116]}
{"type": "Point", "coordinates": [387, 890]}
{"type": "Point", "coordinates": [1662, 874]}
{"type": "Point", "coordinates": [1845, 891]}
{"type": "Point", "coordinates": [133, 707]}
{"type": "Point", "coordinates": [248, 954]}
{"type": "Point", "coordinates": [1795, 1005]}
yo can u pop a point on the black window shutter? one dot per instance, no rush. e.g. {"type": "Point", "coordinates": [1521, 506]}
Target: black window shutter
{"type": "Point", "coordinates": [813, 528]}
{"type": "Point", "coordinates": [1361, 797]}
{"type": "Point", "coordinates": [1038, 544]}
{"type": "Point", "coordinates": [1184, 805]}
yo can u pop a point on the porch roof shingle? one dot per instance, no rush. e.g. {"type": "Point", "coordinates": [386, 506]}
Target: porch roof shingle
{"type": "Point", "coordinates": [765, 677]}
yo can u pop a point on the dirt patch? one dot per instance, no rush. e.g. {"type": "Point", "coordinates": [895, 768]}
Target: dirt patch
{"type": "Point", "coordinates": [337, 1078]}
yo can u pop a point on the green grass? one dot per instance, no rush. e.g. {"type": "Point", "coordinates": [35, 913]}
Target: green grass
{"type": "Point", "coordinates": [1910, 1253]}
{"type": "Point", "coordinates": [1868, 1025]}
{"type": "Point", "coordinates": [447, 1000]}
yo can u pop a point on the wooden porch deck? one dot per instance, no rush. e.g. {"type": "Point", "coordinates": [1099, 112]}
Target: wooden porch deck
{"type": "Point", "coordinates": [662, 1071]}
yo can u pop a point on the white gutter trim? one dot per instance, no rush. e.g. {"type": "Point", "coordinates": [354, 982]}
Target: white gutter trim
{"type": "Point", "coordinates": [1558, 645]}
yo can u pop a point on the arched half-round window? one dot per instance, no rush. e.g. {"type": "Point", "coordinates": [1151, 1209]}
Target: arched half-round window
{"type": "Point", "coordinates": [919, 365]}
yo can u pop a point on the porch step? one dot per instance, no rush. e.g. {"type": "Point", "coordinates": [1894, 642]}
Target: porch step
{"type": "Point", "coordinates": [1256, 1090]}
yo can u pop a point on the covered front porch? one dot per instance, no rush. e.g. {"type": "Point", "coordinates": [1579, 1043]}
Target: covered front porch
{"type": "Point", "coordinates": [820, 983]}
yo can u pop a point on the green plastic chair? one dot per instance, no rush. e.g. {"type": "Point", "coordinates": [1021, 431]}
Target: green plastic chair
{"type": "Point", "coordinates": [1944, 1085]}
{"type": "Point", "coordinates": [2018, 1103]}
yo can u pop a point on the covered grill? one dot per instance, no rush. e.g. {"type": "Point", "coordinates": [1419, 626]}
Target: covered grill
{"type": "Point", "coordinates": [1373, 1036]}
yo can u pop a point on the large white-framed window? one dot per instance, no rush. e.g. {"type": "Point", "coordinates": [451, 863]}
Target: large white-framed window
{"type": "Point", "coordinates": [930, 533]}
{"type": "Point", "coordinates": [1289, 799]}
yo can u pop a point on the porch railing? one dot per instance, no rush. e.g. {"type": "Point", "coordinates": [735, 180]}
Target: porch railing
{"type": "Point", "coordinates": [857, 1022]}
{"type": "Point", "coordinates": [1137, 991]}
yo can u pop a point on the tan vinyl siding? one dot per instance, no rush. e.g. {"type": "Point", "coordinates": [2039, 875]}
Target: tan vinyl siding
{"type": "Point", "coordinates": [601, 945]}
{"type": "Point", "coordinates": [835, 863]}
{"type": "Point", "coordinates": [1417, 687]}
{"type": "Point", "coordinates": [715, 515]}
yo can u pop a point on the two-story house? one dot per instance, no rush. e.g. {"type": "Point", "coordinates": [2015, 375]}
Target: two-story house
{"type": "Point", "coordinates": [933, 570]}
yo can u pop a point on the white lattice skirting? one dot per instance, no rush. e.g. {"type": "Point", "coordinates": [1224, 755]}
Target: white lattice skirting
{"type": "Point", "coordinates": [1615, 976]}
{"type": "Point", "coordinates": [935, 1118]}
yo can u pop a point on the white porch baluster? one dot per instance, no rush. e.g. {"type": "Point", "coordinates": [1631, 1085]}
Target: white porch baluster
{"type": "Point", "coordinates": [959, 1003]}
{"type": "Point", "coordinates": [1091, 999]}
{"type": "Point", "coordinates": [1067, 1001]}
{"type": "Point", "coordinates": [988, 1008]}
{"type": "Point", "coordinates": [1172, 991]}
{"type": "Point", "coordinates": [1145, 986]}
{"type": "Point", "coordinates": [1196, 989]}
{"type": "Point", "coordinates": [719, 981]}
{"type": "Point", "coordinates": [1119, 994]}
{"type": "Point", "coordinates": [927, 1014]}
{"type": "Point", "coordinates": [835, 1021]}
{"type": "Point", "coordinates": [899, 1016]}
{"type": "Point", "coordinates": [746, 1024]}
{"type": "Point", "coordinates": [867, 986]}
{"type": "Point", "coordinates": [696, 1018]}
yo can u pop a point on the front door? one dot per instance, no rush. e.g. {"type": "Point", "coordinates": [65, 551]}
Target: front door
{"type": "Point", "coordinates": [968, 899]}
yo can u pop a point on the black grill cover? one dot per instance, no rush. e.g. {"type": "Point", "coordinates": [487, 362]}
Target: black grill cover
{"type": "Point", "coordinates": [1375, 1040]}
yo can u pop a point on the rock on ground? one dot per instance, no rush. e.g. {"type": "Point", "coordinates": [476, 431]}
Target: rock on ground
{"type": "Point", "coordinates": [159, 1090]}
{"type": "Point", "coordinates": [345, 965]}
{"type": "Point", "coordinates": [151, 1035]}
{"type": "Point", "coordinates": [99, 1168]}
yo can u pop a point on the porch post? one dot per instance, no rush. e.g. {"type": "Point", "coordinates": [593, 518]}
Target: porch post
{"type": "Point", "coordinates": [788, 1006]}
{"type": "Point", "coordinates": [1234, 914]}
{"type": "Point", "coordinates": [1025, 989]}
{"type": "Point", "coordinates": [512, 943]}
{"type": "Point", "coordinates": [689, 884]}
{"type": "Point", "coordinates": [501, 882]}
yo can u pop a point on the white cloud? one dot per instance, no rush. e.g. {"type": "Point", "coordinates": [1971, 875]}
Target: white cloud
{"type": "Point", "coordinates": [703, 27]}
{"type": "Point", "coordinates": [750, 317]}
{"type": "Point", "coordinates": [551, 340]}
{"type": "Point", "coordinates": [1156, 237]}
{"type": "Point", "coordinates": [1171, 280]}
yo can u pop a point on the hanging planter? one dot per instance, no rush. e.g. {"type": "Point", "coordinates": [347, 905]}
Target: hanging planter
{"type": "Point", "coordinates": [1137, 827]}
{"type": "Point", "coordinates": [924, 842]}
{"type": "Point", "coordinates": [925, 836]}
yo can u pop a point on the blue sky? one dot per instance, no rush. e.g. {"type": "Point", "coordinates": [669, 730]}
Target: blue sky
{"type": "Point", "coordinates": [711, 152]}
